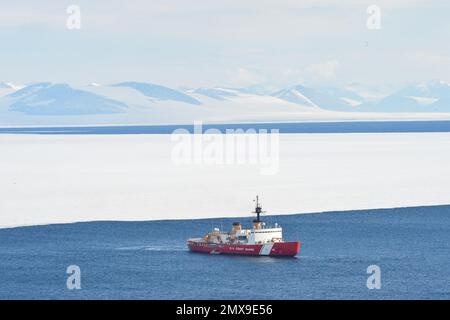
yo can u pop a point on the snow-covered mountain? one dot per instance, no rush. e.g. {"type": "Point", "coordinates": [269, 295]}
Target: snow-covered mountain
{"type": "Point", "coordinates": [224, 93]}
{"type": "Point", "coordinates": [372, 92]}
{"type": "Point", "coordinates": [138, 103]}
{"type": "Point", "coordinates": [432, 96]}
{"type": "Point", "coordinates": [7, 88]}
{"type": "Point", "coordinates": [9, 85]}
{"type": "Point", "coordinates": [328, 98]}
{"type": "Point", "coordinates": [142, 103]}
{"type": "Point", "coordinates": [158, 92]}
{"type": "Point", "coordinates": [60, 99]}
{"type": "Point", "coordinates": [215, 93]}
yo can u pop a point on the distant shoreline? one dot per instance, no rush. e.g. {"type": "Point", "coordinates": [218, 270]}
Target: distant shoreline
{"type": "Point", "coordinates": [240, 218]}
{"type": "Point", "coordinates": [384, 126]}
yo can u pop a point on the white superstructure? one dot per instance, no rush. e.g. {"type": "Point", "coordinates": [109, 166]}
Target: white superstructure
{"type": "Point", "coordinates": [259, 234]}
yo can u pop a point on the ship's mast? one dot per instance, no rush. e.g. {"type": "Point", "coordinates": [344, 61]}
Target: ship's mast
{"type": "Point", "coordinates": [258, 210]}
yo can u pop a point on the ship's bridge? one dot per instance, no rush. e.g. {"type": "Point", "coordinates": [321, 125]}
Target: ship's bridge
{"type": "Point", "coordinates": [264, 235]}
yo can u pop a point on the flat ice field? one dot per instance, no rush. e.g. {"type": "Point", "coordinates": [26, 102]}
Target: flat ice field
{"type": "Point", "coordinates": [66, 178]}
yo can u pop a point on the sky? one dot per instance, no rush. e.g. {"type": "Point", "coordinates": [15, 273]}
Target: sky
{"type": "Point", "coordinates": [203, 43]}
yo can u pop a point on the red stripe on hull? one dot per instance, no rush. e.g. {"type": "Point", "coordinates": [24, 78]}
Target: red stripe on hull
{"type": "Point", "coordinates": [278, 248]}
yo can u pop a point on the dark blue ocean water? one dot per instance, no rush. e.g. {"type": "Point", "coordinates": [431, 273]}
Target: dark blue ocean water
{"type": "Point", "coordinates": [149, 260]}
{"type": "Point", "coordinates": [298, 127]}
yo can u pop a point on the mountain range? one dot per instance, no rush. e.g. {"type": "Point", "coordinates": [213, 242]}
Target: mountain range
{"type": "Point", "coordinates": [164, 103]}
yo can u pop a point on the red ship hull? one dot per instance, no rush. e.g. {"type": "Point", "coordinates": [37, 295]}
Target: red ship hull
{"type": "Point", "coordinates": [286, 249]}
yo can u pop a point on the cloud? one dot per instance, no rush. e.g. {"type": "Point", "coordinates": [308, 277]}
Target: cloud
{"type": "Point", "coordinates": [244, 77]}
{"type": "Point", "coordinates": [234, 42]}
{"type": "Point", "coordinates": [325, 70]}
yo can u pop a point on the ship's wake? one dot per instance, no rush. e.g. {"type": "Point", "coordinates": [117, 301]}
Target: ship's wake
{"type": "Point", "coordinates": [154, 248]}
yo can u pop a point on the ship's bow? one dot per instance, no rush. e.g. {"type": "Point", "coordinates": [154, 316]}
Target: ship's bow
{"type": "Point", "coordinates": [288, 249]}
